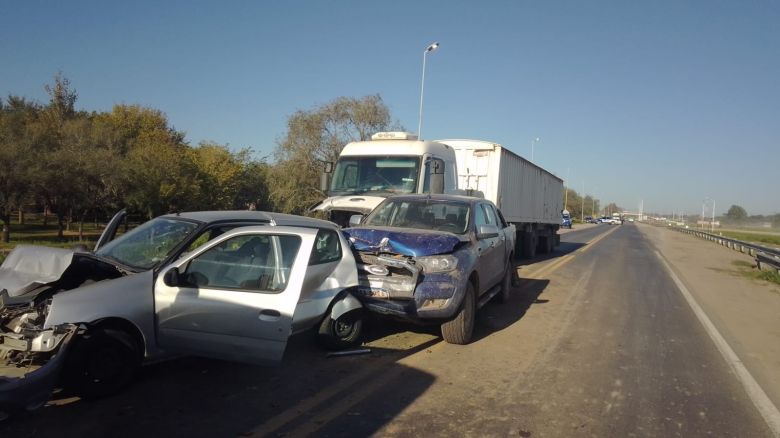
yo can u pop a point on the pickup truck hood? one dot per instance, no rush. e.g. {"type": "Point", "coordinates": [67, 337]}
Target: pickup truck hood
{"type": "Point", "coordinates": [403, 241]}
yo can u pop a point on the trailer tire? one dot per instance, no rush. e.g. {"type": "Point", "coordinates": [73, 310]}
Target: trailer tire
{"type": "Point", "coordinates": [529, 244]}
{"type": "Point", "coordinates": [460, 329]}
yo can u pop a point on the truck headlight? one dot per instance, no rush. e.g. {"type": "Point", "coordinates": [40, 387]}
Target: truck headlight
{"type": "Point", "coordinates": [437, 263]}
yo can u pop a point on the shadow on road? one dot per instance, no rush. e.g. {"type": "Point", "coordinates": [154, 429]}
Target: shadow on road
{"type": "Point", "coordinates": [498, 316]}
{"type": "Point", "coordinates": [200, 397]}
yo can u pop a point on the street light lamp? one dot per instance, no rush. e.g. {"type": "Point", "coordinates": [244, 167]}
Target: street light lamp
{"type": "Point", "coordinates": [428, 49]}
{"type": "Point", "coordinates": [535, 140]}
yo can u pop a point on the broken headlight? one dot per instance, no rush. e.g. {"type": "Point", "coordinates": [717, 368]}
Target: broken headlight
{"type": "Point", "coordinates": [437, 263]}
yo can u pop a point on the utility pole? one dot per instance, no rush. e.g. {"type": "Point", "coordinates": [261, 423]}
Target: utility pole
{"type": "Point", "coordinates": [582, 212]}
{"type": "Point", "coordinates": [712, 222]}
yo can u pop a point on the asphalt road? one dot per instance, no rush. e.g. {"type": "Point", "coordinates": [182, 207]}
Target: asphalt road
{"type": "Point", "coordinates": [596, 340]}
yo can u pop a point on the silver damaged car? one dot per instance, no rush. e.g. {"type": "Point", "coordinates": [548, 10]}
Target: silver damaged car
{"type": "Point", "coordinates": [230, 285]}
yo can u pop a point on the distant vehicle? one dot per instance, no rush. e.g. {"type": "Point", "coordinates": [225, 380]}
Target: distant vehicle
{"type": "Point", "coordinates": [591, 220]}
{"type": "Point", "coordinates": [565, 219]}
{"type": "Point", "coordinates": [631, 219]}
{"type": "Point", "coordinates": [435, 258]}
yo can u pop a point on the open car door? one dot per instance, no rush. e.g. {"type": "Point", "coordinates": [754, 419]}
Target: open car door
{"type": "Point", "coordinates": [234, 297]}
{"type": "Point", "coordinates": [109, 232]}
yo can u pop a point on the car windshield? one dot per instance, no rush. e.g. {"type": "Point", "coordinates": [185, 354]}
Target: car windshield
{"type": "Point", "coordinates": [150, 243]}
{"type": "Point", "coordinates": [380, 174]}
{"type": "Point", "coordinates": [450, 216]}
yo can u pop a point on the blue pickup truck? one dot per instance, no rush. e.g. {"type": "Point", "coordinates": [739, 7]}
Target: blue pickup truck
{"type": "Point", "coordinates": [433, 258]}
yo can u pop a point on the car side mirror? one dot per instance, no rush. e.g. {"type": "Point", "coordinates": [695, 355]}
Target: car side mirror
{"type": "Point", "coordinates": [355, 220]}
{"type": "Point", "coordinates": [486, 231]}
{"type": "Point", "coordinates": [172, 278]}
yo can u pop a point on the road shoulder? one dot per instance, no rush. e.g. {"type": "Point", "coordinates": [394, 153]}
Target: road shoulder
{"type": "Point", "coordinates": [746, 312]}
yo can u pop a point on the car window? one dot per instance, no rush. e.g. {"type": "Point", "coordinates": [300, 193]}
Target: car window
{"type": "Point", "coordinates": [501, 219]}
{"type": "Point", "coordinates": [327, 248]}
{"type": "Point", "coordinates": [449, 216]}
{"type": "Point", "coordinates": [490, 214]}
{"type": "Point", "coordinates": [252, 262]}
{"type": "Point", "coordinates": [480, 218]}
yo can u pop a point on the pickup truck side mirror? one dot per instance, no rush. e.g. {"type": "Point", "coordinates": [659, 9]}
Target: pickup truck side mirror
{"type": "Point", "coordinates": [486, 231]}
{"type": "Point", "coordinates": [172, 278]}
{"type": "Point", "coordinates": [355, 220]}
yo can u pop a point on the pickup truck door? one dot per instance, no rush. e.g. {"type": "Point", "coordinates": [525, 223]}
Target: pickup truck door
{"type": "Point", "coordinates": [491, 249]}
{"type": "Point", "coordinates": [235, 296]}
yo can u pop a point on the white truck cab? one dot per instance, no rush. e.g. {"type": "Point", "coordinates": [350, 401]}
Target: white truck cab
{"type": "Point", "coordinates": [390, 163]}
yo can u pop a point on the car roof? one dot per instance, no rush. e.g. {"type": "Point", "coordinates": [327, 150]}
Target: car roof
{"type": "Point", "coordinates": [254, 216]}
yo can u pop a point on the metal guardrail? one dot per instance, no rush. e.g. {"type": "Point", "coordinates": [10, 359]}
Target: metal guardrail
{"type": "Point", "coordinates": [766, 258]}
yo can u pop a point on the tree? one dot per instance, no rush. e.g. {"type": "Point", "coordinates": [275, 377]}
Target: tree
{"type": "Point", "coordinates": [220, 172]}
{"type": "Point", "coordinates": [736, 213]}
{"type": "Point", "coordinates": [16, 157]}
{"type": "Point", "coordinates": [317, 136]}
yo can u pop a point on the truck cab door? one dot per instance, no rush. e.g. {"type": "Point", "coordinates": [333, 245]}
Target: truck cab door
{"type": "Point", "coordinates": [234, 298]}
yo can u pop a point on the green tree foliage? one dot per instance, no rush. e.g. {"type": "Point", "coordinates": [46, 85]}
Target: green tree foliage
{"type": "Point", "coordinates": [575, 204]}
{"type": "Point", "coordinates": [317, 136]}
{"type": "Point", "coordinates": [17, 116]}
{"type": "Point", "coordinates": [736, 213]}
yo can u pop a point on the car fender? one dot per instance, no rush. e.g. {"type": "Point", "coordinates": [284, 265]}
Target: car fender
{"type": "Point", "coordinates": [343, 304]}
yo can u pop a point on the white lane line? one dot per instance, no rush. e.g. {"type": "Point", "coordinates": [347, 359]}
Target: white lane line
{"type": "Point", "coordinates": [762, 402]}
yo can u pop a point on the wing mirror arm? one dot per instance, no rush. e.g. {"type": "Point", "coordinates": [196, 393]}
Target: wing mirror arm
{"type": "Point", "coordinates": [172, 278]}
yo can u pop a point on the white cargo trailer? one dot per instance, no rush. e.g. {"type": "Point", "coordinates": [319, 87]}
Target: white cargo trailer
{"type": "Point", "coordinates": [529, 197]}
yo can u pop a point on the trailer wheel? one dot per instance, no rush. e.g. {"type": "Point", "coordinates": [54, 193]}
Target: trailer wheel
{"type": "Point", "coordinates": [529, 244]}
{"type": "Point", "coordinates": [459, 330]}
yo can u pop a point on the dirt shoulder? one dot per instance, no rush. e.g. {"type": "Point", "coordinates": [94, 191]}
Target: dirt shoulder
{"type": "Point", "coordinates": [745, 311]}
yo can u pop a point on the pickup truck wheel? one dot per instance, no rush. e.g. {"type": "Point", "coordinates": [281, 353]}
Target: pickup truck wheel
{"type": "Point", "coordinates": [102, 363]}
{"type": "Point", "coordinates": [336, 334]}
{"type": "Point", "coordinates": [459, 330]}
{"type": "Point", "coordinates": [506, 284]}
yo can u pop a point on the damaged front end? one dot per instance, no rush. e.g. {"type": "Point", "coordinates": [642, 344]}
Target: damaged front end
{"type": "Point", "coordinates": [31, 362]}
{"type": "Point", "coordinates": [31, 354]}
{"type": "Point", "coordinates": [408, 275]}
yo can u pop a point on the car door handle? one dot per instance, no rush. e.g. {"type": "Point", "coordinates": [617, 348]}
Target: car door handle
{"type": "Point", "coordinates": [270, 315]}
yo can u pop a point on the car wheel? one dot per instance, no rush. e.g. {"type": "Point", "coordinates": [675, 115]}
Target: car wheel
{"type": "Point", "coordinates": [343, 332]}
{"type": "Point", "coordinates": [459, 330]}
{"type": "Point", "coordinates": [506, 284]}
{"type": "Point", "coordinates": [102, 363]}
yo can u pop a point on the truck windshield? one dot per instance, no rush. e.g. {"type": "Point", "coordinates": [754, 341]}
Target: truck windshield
{"type": "Point", "coordinates": [150, 243]}
{"type": "Point", "coordinates": [450, 216]}
{"type": "Point", "coordinates": [378, 174]}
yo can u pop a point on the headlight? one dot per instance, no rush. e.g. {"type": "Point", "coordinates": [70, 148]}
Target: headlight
{"type": "Point", "coordinates": [438, 263]}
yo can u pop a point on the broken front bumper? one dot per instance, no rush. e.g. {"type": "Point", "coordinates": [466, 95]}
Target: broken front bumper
{"type": "Point", "coordinates": [21, 389]}
{"type": "Point", "coordinates": [395, 287]}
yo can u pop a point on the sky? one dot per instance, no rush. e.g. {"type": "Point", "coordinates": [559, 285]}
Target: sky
{"type": "Point", "coordinates": [666, 102]}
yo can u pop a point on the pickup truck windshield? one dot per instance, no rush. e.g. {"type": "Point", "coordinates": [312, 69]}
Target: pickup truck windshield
{"type": "Point", "coordinates": [452, 217]}
{"type": "Point", "coordinates": [150, 243]}
{"type": "Point", "coordinates": [380, 174]}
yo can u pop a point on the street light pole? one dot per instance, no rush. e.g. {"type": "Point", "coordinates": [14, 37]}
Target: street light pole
{"type": "Point", "coordinates": [428, 49]}
{"type": "Point", "coordinates": [535, 140]}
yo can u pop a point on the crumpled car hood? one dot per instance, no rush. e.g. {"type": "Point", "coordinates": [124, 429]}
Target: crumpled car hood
{"type": "Point", "coordinates": [403, 241]}
{"type": "Point", "coordinates": [28, 267]}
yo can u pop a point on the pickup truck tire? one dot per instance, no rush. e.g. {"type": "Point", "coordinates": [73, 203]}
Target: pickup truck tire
{"type": "Point", "coordinates": [506, 283]}
{"type": "Point", "coordinates": [102, 363]}
{"type": "Point", "coordinates": [460, 329]}
{"type": "Point", "coordinates": [337, 334]}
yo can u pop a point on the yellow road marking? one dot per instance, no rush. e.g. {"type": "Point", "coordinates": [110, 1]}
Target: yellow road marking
{"type": "Point", "coordinates": [554, 266]}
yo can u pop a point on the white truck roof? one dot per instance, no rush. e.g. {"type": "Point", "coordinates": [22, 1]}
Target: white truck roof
{"type": "Point", "coordinates": [395, 147]}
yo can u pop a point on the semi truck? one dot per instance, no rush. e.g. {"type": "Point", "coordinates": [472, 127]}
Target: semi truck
{"type": "Point", "coordinates": [392, 163]}
{"type": "Point", "coordinates": [528, 196]}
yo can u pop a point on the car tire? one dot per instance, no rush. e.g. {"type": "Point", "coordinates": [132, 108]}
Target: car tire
{"type": "Point", "coordinates": [460, 329]}
{"type": "Point", "coordinates": [102, 363]}
{"type": "Point", "coordinates": [340, 333]}
{"type": "Point", "coordinates": [506, 283]}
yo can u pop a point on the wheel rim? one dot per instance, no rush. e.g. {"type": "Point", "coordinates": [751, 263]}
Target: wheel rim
{"type": "Point", "coordinates": [343, 327]}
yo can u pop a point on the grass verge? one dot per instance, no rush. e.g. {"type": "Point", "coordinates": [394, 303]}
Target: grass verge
{"type": "Point", "coordinates": [749, 270]}
{"type": "Point", "coordinates": [750, 237]}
